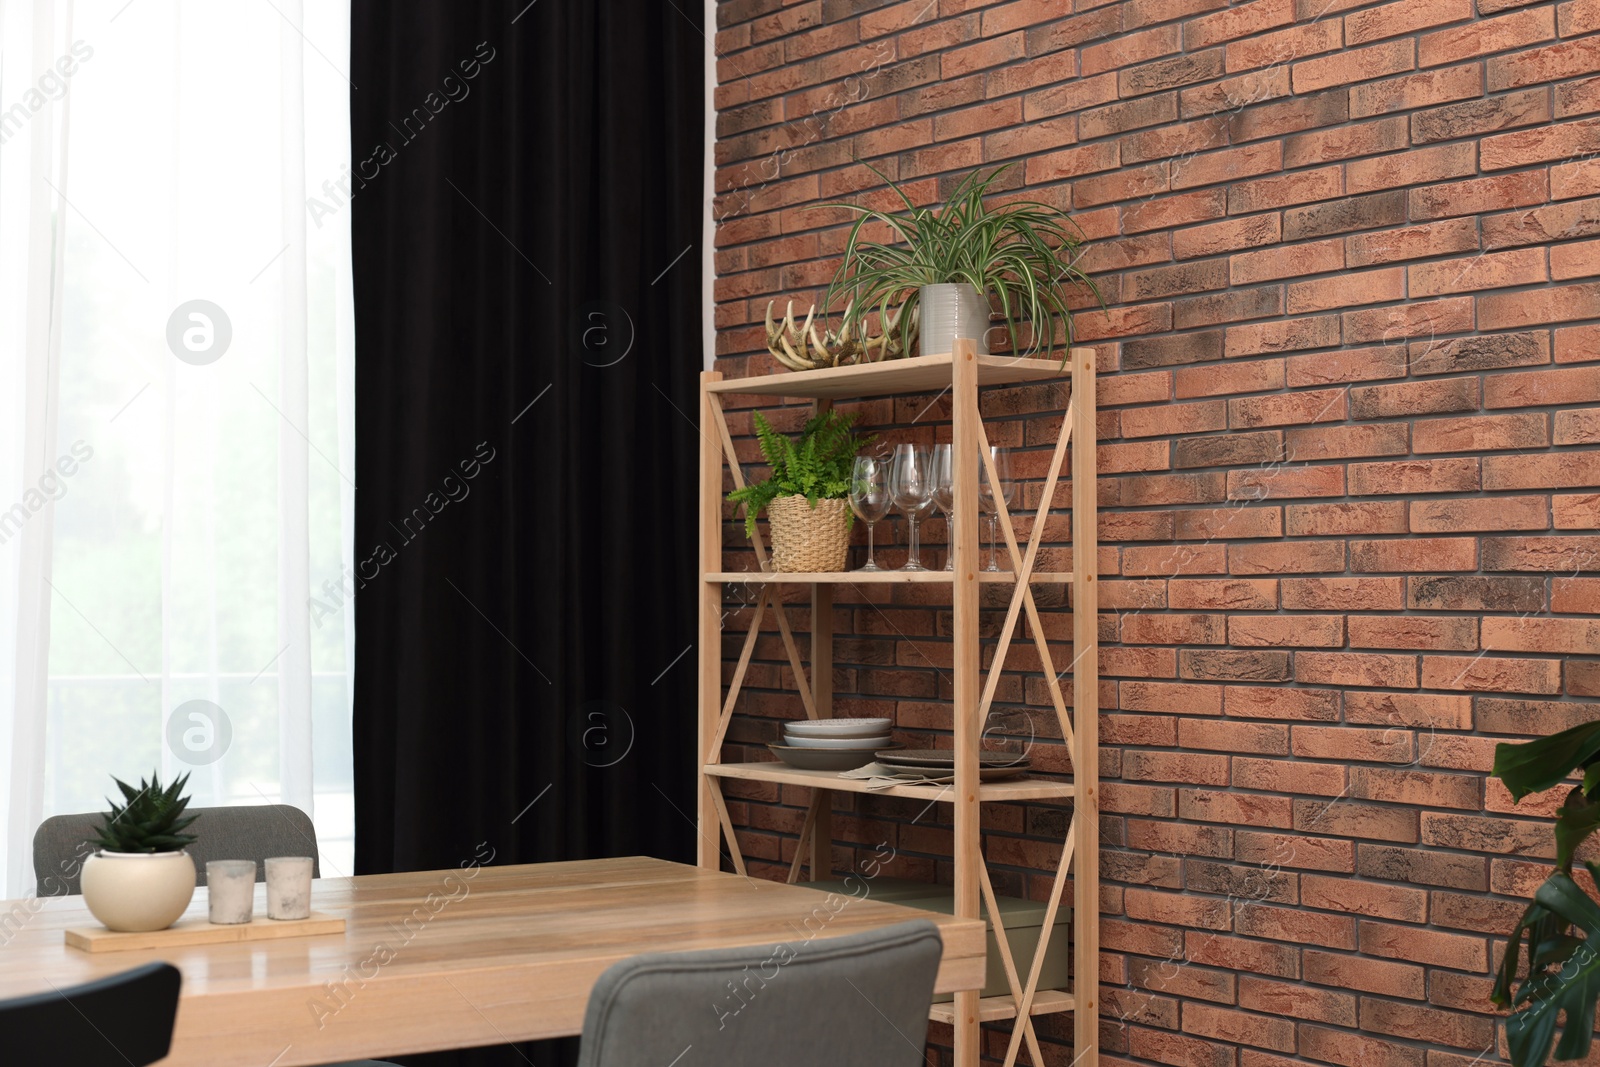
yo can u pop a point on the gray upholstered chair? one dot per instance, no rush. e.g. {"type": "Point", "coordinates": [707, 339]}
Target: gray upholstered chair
{"type": "Point", "coordinates": [855, 1001]}
{"type": "Point", "coordinates": [253, 832]}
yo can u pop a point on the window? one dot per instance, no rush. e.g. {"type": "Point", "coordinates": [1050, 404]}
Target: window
{"type": "Point", "coordinates": [178, 347]}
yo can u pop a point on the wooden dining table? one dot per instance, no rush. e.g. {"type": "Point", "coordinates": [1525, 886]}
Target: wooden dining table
{"type": "Point", "coordinates": [429, 960]}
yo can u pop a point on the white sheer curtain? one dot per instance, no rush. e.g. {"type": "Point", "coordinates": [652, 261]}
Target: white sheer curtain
{"type": "Point", "coordinates": [176, 468]}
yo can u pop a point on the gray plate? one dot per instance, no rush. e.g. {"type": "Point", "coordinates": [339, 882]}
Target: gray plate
{"type": "Point", "coordinates": [822, 759]}
{"type": "Point", "coordinates": [985, 774]}
{"type": "Point", "coordinates": [943, 757]}
{"type": "Point", "coordinates": [841, 744]}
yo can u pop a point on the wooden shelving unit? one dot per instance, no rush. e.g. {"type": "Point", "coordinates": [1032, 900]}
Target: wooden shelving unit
{"type": "Point", "coordinates": [963, 373]}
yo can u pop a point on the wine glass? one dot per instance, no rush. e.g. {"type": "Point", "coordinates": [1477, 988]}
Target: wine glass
{"type": "Point", "coordinates": [1005, 488]}
{"type": "Point", "coordinates": [1012, 492]}
{"type": "Point", "coordinates": [869, 498]}
{"type": "Point", "coordinates": [944, 495]}
{"type": "Point", "coordinates": [911, 489]}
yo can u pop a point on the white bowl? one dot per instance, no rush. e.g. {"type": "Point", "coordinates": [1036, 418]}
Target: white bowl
{"type": "Point", "coordinates": [848, 744]}
{"type": "Point", "coordinates": [837, 727]}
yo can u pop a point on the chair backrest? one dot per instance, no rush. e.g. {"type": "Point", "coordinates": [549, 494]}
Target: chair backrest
{"type": "Point", "coordinates": [856, 1000]}
{"type": "Point", "coordinates": [251, 832]}
{"type": "Point", "coordinates": [114, 1022]}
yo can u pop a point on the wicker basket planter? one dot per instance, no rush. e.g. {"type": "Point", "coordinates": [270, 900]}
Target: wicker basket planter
{"type": "Point", "coordinates": [807, 539]}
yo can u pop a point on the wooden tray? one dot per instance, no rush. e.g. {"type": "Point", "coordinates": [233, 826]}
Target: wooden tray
{"type": "Point", "coordinates": [202, 932]}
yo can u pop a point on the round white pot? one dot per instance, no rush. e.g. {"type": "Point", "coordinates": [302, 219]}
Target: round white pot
{"type": "Point", "coordinates": [951, 311]}
{"type": "Point", "coordinates": [138, 891]}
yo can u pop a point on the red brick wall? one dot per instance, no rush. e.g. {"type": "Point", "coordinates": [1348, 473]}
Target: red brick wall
{"type": "Point", "coordinates": [1350, 487]}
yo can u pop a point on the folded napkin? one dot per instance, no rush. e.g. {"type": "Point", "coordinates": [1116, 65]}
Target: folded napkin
{"type": "Point", "coordinates": [881, 777]}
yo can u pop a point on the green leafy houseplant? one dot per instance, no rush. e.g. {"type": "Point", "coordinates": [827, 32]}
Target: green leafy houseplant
{"type": "Point", "coordinates": [1023, 254]}
{"type": "Point", "coordinates": [150, 819]}
{"type": "Point", "coordinates": [816, 467]}
{"type": "Point", "coordinates": [1562, 924]}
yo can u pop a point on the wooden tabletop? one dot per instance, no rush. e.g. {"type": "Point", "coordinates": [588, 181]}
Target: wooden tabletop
{"type": "Point", "coordinates": [450, 959]}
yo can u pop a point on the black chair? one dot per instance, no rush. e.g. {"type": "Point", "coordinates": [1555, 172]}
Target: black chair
{"type": "Point", "coordinates": [121, 1021]}
{"type": "Point", "coordinates": [855, 1001]}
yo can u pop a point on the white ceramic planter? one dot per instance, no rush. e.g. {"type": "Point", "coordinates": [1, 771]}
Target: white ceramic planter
{"type": "Point", "coordinates": [138, 891]}
{"type": "Point", "coordinates": [952, 311]}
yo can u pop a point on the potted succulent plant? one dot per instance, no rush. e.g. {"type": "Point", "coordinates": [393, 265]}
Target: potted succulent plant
{"type": "Point", "coordinates": [806, 495]}
{"type": "Point", "coordinates": [140, 878]}
{"type": "Point", "coordinates": [945, 265]}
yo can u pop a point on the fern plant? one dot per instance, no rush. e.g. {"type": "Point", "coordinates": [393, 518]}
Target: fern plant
{"type": "Point", "coordinates": [150, 819]}
{"type": "Point", "coordinates": [816, 467]}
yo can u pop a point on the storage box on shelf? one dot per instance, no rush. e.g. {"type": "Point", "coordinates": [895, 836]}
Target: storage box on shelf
{"type": "Point", "coordinates": [963, 373]}
{"type": "Point", "coordinates": [1020, 918]}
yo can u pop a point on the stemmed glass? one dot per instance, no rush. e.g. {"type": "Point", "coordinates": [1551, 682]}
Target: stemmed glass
{"type": "Point", "coordinates": [944, 496]}
{"type": "Point", "coordinates": [869, 498]}
{"type": "Point", "coordinates": [986, 494]}
{"type": "Point", "coordinates": [911, 489]}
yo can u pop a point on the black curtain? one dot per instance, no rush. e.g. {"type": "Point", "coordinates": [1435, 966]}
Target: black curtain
{"type": "Point", "coordinates": [526, 204]}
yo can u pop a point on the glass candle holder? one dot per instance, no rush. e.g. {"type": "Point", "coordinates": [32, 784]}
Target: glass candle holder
{"type": "Point", "coordinates": [288, 887]}
{"type": "Point", "coordinates": [231, 886]}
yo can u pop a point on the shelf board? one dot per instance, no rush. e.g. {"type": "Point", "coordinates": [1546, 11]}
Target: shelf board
{"type": "Point", "coordinates": [919, 374]}
{"type": "Point", "coordinates": [783, 774]}
{"type": "Point", "coordinates": [994, 1009]}
{"type": "Point", "coordinates": [890, 577]}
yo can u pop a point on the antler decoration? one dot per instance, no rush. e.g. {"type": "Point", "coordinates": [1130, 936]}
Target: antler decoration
{"type": "Point", "coordinates": [801, 347]}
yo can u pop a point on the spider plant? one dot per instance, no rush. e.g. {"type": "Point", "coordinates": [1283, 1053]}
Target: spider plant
{"type": "Point", "coordinates": [1022, 254]}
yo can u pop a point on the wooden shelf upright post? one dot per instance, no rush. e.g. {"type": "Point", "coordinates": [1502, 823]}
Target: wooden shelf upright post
{"type": "Point", "coordinates": [964, 595]}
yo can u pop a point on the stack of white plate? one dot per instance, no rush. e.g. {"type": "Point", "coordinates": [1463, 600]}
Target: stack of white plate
{"type": "Point", "coordinates": [832, 744]}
